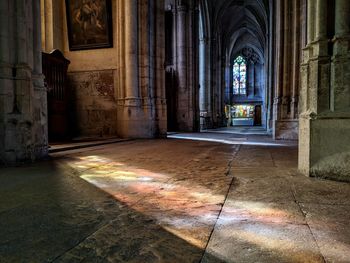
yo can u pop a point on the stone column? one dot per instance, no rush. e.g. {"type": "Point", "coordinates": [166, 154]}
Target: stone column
{"type": "Point", "coordinates": [311, 20]}
{"type": "Point", "coordinates": [209, 75]}
{"type": "Point", "coordinates": [4, 32]}
{"type": "Point", "coordinates": [340, 63]}
{"type": "Point", "coordinates": [228, 82]}
{"type": "Point", "coordinates": [40, 92]}
{"type": "Point", "coordinates": [279, 53]}
{"type": "Point", "coordinates": [131, 48]}
{"type": "Point", "coordinates": [286, 59]}
{"type": "Point", "coordinates": [182, 45]}
{"type": "Point", "coordinates": [205, 89]}
{"type": "Point", "coordinates": [47, 25]}
{"type": "Point", "coordinates": [37, 38]}
{"type": "Point", "coordinates": [251, 76]}
{"type": "Point", "coordinates": [342, 20]}
{"type": "Point", "coordinates": [194, 66]}
{"type": "Point", "coordinates": [24, 115]}
{"type": "Point", "coordinates": [5, 72]}
{"type": "Point", "coordinates": [182, 69]}
{"type": "Point", "coordinates": [325, 118]}
{"type": "Point", "coordinates": [202, 73]}
{"type": "Point", "coordinates": [285, 124]}
{"type": "Point", "coordinates": [159, 47]}
{"type": "Point", "coordinates": [142, 108]}
{"type": "Point", "coordinates": [256, 78]}
{"type": "Point", "coordinates": [321, 19]}
{"type": "Point", "coordinates": [21, 33]}
{"type": "Point", "coordinates": [121, 92]}
{"type": "Point", "coordinates": [278, 91]}
{"type": "Point", "coordinates": [295, 76]}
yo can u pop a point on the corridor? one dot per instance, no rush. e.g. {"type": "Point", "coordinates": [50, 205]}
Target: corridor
{"type": "Point", "coordinates": [200, 197]}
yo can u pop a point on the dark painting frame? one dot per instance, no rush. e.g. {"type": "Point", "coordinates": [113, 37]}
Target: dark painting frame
{"type": "Point", "coordinates": [89, 24]}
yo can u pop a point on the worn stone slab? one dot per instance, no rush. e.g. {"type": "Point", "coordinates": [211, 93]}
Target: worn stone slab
{"type": "Point", "coordinates": [263, 189]}
{"type": "Point", "coordinates": [330, 227]}
{"type": "Point", "coordinates": [159, 201]}
{"type": "Point", "coordinates": [253, 241]}
{"type": "Point", "coordinates": [311, 190]}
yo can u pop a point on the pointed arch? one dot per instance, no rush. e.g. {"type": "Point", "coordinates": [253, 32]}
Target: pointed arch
{"type": "Point", "coordinates": [239, 74]}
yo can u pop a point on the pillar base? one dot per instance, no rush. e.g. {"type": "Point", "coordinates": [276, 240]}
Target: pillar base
{"type": "Point", "coordinates": [285, 130]}
{"type": "Point", "coordinates": [324, 147]}
{"type": "Point", "coordinates": [137, 120]}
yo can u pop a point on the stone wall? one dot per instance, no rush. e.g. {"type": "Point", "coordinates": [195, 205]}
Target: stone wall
{"type": "Point", "coordinates": [93, 86]}
{"type": "Point", "coordinates": [94, 103]}
{"type": "Point", "coordinates": [117, 91]}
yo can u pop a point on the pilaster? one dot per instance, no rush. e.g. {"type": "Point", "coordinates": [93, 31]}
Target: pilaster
{"type": "Point", "coordinates": [288, 55]}
{"type": "Point", "coordinates": [142, 107]}
{"type": "Point", "coordinates": [324, 142]}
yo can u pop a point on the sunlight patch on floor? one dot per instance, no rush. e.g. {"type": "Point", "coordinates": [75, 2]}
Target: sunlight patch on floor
{"type": "Point", "coordinates": [184, 209]}
{"type": "Point", "coordinates": [225, 141]}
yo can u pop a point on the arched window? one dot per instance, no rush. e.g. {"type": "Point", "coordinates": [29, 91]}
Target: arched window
{"type": "Point", "coordinates": [239, 76]}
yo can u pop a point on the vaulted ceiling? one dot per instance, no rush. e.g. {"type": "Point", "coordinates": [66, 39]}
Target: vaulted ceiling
{"type": "Point", "coordinates": [238, 24]}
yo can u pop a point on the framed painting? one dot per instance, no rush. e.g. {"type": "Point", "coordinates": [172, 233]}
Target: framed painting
{"type": "Point", "coordinates": [89, 24]}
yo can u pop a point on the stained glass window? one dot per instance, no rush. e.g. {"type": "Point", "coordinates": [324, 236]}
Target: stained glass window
{"type": "Point", "coordinates": [239, 76]}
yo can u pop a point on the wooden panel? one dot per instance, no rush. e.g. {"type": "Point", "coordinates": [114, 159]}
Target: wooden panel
{"type": "Point", "coordinates": [171, 96]}
{"type": "Point", "coordinates": [55, 67]}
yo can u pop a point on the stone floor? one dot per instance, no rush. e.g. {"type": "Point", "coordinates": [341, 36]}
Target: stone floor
{"type": "Point", "coordinates": [214, 197]}
{"type": "Point", "coordinates": [240, 130]}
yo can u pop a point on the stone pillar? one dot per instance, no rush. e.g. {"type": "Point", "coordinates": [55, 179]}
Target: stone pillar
{"type": "Point", "coordinates": [142, 108]}
{"type": "Point", "coordinates": [255, 83]}
{"type": "Point", "coordinates": [286, 59]}
{"type": "Point", "coordinates": [37, 38]}
{"type": "Point", "coordinates": [340, 66]}
{"type": "Point", "coordinates": [21, 36]}
{"type": "Point", "coordinates": [342, 20]}
{"type": "Point", "coordinates": [194, 66]}
{"type": "Point", "coordinates": [295, 76]}
{"type": "Point", "coordinates": [23, 110]}
{"type": "Point", "coordinates": [324, 144]}
{"type": "Point", "coordinates": [131, 40]}
{"type": "Point", "coordinates": [203, 94]}
{"type": "Point", "coordinates": [40, 92]}
{"type": "Point", "coordinates": [187, 65]}
{"type": "Point", "coordinates": [182, 45]}
{"type": "Point", "coordinates": [209, 77]}
{"type": "Point", "coordinates": [285, 125]}
{"type": "Point", "coordinates": [131, 119]}
{"type": "Point", "coordinates": [321, 19]}
{"type": "Point", "coordinates": [159, 49]}
{"type": "Point", "coordinates": [4, 32]}
{"type": "Point", "coordinates": [251, 76]}
{"type": "Point", "coordinates": [278, 91]}
{"type": "Point", "coordinates": [228, 83]}
{"type": "Point", "coordinates": [311, 20]}
{"type": "Point", "coordinates": [182, 67]}
{"type": "Point", "coordinates": [5, 72]}
{"type": "Point", "coordinates": [205, 87]}
{"type": "Point", "coordinates": [47, 25]}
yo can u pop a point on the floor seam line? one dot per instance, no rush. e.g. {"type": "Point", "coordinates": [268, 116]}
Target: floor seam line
{"type": "Point", "coordinates": [307, 223]}
{"type": "Point", "coordinates": [227, 193]}
{"type": "Point", "coordinates": [81, 241]}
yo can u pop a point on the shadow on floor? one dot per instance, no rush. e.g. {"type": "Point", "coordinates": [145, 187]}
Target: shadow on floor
{"type": "Point", "coordinates": [50, 215]}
